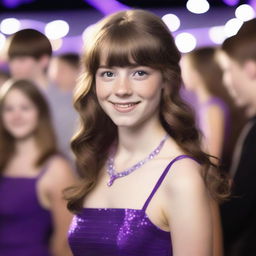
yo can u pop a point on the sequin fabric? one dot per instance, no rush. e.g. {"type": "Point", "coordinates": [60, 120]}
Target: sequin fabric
{"type": "Point", "coordinates": [119, 232]}
{"type": "Point", "coordinates": [114, 232]}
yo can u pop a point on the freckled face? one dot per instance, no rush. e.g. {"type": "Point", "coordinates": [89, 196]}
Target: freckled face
{"type": "Point", "coordinates": [19, 114]}
{"type": "Point", "coordinates": [130, 96]}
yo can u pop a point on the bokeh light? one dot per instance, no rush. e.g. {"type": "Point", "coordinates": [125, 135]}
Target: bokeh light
{"type": "Point", "coordinates": [232, 26]}
{"type": "Point", "coordinates": [171, 21]}
{"type": "Point", "coordinates": [56, 29]}
{"type": "Point", "coordinates": [185, 42]}
{"type": "Point", "coordinates": [9, 26]}
{"type": "Point", "coordinates": [198, 6]}
{"type": "Point", "coordinates": [244, 12]}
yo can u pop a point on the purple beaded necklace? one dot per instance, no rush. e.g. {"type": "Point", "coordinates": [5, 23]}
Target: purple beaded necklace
{"type": "Point", "coordinates": [111, 168]}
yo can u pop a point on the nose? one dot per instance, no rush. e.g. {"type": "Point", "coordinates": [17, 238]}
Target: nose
{"type": "Point", "coordinates": [16, 113]}
{"type": "Point", "coordinates": [123, 87]}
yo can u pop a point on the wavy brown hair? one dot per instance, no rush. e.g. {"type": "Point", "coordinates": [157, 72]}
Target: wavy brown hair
{"type": "Point", "coordinates": [123, 39]}
{"type": "Point", "coordinates": [44, 133]}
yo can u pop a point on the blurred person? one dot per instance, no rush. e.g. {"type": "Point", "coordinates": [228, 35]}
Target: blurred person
{"type": "Point", "coordinates": [202, 75]}
{"type": "Point", "coordinates": [237, 58]}
{"type": "Point", "coordinates": [216, 113]}
{"type": "Point", "coordinates": [29, 54]}
{"type": "Point", "coordinates": [142, 189]}
{"type": "Point", "coordinates": [64, 71]}
{"type": "Point", "coordinates": [33, 216]}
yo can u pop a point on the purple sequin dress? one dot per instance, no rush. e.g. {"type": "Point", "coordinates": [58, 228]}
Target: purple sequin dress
{"type": "Point", "coordinates": [25, 227]}
{"type": "Point", "coordinates": [120, 232]}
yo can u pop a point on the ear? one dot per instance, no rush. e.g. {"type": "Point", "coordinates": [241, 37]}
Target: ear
{"type": "Point", "coordinates": [44, 61]}
{"type": "Point", "coordinates": [250, 69]}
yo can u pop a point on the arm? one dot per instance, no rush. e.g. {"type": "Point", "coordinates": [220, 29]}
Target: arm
{"type": "Point", "coordinates": [214, 130]}
{"type": "Point", "coordinates": [217, 230]}
{"type": "Point", "coordinates": [188, 213]}
{"type": "Point", "coordinates": [60, 176]}
{"type": "Point", "coordinates": [214, 141]}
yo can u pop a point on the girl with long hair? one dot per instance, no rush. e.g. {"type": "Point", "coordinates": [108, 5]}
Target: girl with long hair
{"type": "Point", "coordinates": [218, 117]}
{"type": "Point", "coordinates": [33, 216]}
{"type": "Point", "coordinates": [146, 186]}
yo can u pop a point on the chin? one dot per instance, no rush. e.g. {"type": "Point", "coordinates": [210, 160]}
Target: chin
{"type": "Point", "coordinates": [129, 124]}
{"type": "Point", "coordinates": [123, 124]}
{"type": "Point", "coordinates": [21, 135]}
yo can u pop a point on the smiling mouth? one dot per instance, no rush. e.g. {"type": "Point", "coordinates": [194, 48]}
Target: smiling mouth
{"type": "Point", "coordinates": [125, 107]}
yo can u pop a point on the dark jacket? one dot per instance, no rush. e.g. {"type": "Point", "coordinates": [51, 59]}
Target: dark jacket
{"type": "Point", "coordinates": [239, 213]}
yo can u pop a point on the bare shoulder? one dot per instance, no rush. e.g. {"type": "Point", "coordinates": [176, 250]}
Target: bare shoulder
{"type": "Point", "coordinates": [186, 208]}
{"type": "Point", "coordinates": [214, 108]}
{"type": "Point", "coordinates": [59, 163]}
{"type": "Point", "coordinates": [215, 112]}
{"type": "Point", "coordinates": [60, 171]}
{"type": "Point", "coordinates": [185, 175]}
{"type": "Point", "coordinates": [58, 176]}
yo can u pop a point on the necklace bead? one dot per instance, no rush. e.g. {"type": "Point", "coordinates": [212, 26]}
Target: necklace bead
{"type": "Point", "coordinates": [111, 167]}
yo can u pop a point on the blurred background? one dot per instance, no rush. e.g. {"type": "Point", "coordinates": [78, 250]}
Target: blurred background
{"type": "Point", "coordinates": [194, 23]}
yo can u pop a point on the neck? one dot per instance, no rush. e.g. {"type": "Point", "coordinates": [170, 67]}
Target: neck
{"type": "Point", "coordinates": [41, 81]}
{"type": "Point", "coordinates": [250, 111]}
{"type": "Point", "coordinates": [26, 146]}
{"type": "Point", "coordinates": [140, 139]}
{"type": "Point", "coordinates": [202, 94]}
{"type": "Point", "coordinates": [133, 146]}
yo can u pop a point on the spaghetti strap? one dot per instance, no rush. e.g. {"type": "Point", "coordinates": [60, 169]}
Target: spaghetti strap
{"type": "Point", "coordinates": [45, 167]}
{"type": "Point", "coordinates": [43, 170]}
{"type": "Point", "coordinates": [160, 180]}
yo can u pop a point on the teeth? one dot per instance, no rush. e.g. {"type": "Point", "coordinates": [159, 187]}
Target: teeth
{"type": "Point", "coordinates": [125, 105]}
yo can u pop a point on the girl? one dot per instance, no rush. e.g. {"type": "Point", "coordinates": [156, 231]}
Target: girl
{"type": "Point", "coordinates": [146, 186]}
{"type": "Point", "coordinates": [218, 118]}
{"type": "Point", "coordinates": [33, 214]}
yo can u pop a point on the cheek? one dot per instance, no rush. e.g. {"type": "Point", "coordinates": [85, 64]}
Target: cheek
{"type": "Point", "coordinates": [14, 68]}
{"type": "Point", "coordinates": [22, 72]}
{"type": "Point", "coordinates": [32, 117]}
{"type": "Point", "coordinates": [149, 92]}
{"type": "Point", "coordinates": [226, 79]}
{"type": "Point", "coordinates": [5, 118]}
{"type": "Point", "coordinates": [35, 116]}
{"type": "Point", "coordinates": [102, 90]}
{"type": "Point", "coordinates": [236, 81]}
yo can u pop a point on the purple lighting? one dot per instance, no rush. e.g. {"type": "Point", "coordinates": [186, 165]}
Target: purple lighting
{"type": "Point", "coordinates": [15, 3]}
{"type": "Point", "coordinates": [231, 2]}
{"type": "Point", "coordinates": [108, 7]}
{"type": "Point", "coordinates": [253, 4]}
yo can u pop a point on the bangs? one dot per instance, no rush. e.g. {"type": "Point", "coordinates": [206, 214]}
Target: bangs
{"type": "Point", "coordinates": [128, 48]}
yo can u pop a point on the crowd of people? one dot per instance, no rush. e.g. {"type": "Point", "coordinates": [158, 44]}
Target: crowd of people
{"type": "Point", "coordinates": [101, 154]}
